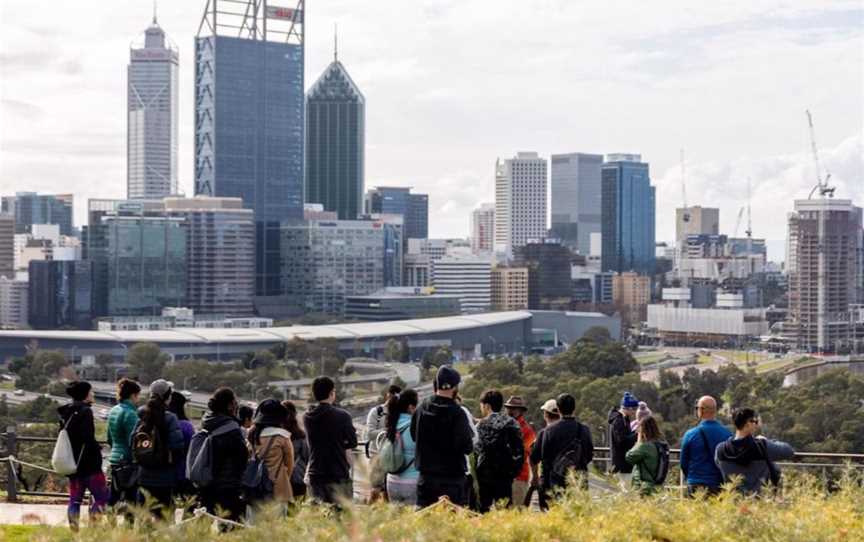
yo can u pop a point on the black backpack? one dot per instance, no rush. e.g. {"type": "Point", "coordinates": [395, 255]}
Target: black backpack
{"type": "Point", "coordinates": [662, 463]}
{"type": "Point", "coordinates": [256, 481]}
{"type": "Point", "coordinates": [568, 460]}
{"type": "Point", "coordinates": [149, 449]}
{"type": "Point", "coordinates": [500, 458]}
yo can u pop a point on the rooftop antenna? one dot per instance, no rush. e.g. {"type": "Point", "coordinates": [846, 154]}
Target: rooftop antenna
{"type": "Point", "coordinates": [154, 12]}
{"type": "Point", "coordinates": [335, 42]}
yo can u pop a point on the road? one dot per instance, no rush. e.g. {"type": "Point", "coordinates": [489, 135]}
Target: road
{"type": "Point", "coordinates": [718, 360]}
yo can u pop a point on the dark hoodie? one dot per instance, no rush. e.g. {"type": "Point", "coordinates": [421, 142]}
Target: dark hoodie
{"type": "Point", "coordinates": [82, 436]}
{"type": "Point", "coordinates": [230, 454]}
{"type": "Point", "coordinates": [440, 429]}
{"type": "Point", "coordinates": [330, 432]}
{"type": "Point", "coordinates": [752, 459]}
{"type": "Point", "coordinates": [499, 447]}
{"type": "Point", "coordinates": [621, 439]}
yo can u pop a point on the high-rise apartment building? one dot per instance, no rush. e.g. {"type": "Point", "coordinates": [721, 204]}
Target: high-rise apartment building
{"type": "Point", "coordinates": [628, 208]}
{"type": "Point", "coordinates": [336, 142]}
{"type": "Point", "coordinates": [13, 303]}
{"type": "Point", "coordinates": [220, 254]}
{"type": "Point", "coordinates": [397, 200]}
{"type": "Point", "coordinates": [152, 117]}
{"type": "Point", "coordinates": [631, 292]}
{"type": "Point", "coordinates": [61, 294]}
{"type": "Point", "coordinates": [30, 208]}
{"type": "Point", "coordinates": [7, 246]}
{"type": "Point", "coordinates": [509, 288]}
{"type": "Point", "coordinates": [576, 198]}
{"type": "Point", "coordinates": [695, 220]}
{"type": "Point", "coordinates": [549, 275]}
{"type": "Point", "coordinates": [249, 118]}
{"type": "Point", "coordinates": [520, 201]}
{"type": "Point", "coordinates": [826, 272]}
{"type": "Point", "coordinates": [469, 278]}
{"type": "Point", "coordinates": [483, 229]}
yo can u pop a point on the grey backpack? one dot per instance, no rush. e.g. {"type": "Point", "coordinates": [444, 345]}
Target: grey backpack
{"type": "Point", "coordinates": [199, 462]}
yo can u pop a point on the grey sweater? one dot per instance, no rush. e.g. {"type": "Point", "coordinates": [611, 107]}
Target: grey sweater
{"type": "Point", "coordinates": [745, 458]}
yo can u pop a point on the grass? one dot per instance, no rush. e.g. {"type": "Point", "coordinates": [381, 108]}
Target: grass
{"type": "Point", "coordinates": [32, 533]}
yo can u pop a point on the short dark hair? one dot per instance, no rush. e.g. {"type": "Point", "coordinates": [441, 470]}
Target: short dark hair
{"type": "Point", "coordinates": [177, 405]}
{"type": "Point", "coordinates": [245, 412]}
{"type": "Point", "coordinates": [322, 386]}
{"type": "Point", "coordinates": [126, 388]}
{"type": "Point", "coordinates": [394, 389]}
{"type": "Point", "coordinates": [742, 417]}
{"type": "Point", "coordinates": [566, 404]}
{"type": "Point", "coordinates": [221, 400]}
{"type": "Point", "coordinates": [494, 399]}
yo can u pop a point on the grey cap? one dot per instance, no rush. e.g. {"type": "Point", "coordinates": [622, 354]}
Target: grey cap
{"type": "Point", "coordinates": [161, 388]}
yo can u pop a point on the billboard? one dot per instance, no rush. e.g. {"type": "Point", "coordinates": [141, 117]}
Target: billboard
{"type": "Point", "coordinates": [285, 14]}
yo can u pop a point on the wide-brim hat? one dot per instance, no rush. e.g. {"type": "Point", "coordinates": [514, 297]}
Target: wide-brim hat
{"type": "Point", "coordinates": [515, 401]}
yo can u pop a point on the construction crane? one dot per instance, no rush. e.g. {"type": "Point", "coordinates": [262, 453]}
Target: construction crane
{"type": "Point", "coordinates": [686, 215]}
{"type": "Point", "coordinates": [738, 222]}
{"type": "Point", "coordinates": [821, 185]}
{"type": "Point", "coordinates": [749, 232]}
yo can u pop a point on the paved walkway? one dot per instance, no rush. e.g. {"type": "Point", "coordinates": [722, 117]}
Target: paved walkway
{"type": "Point", "coordinates": [35, 514]}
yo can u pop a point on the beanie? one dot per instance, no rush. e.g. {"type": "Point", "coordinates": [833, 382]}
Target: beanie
{"type": "Point", "coordinates": [628, 401]}
{"type": "Point", "coordinates": [447, 378]}
{"type": "Point", "coordinates": [78, 390]}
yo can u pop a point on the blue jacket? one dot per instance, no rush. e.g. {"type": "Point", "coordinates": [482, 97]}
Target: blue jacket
{"type": "Point", "coordinates": [122, 420]}
{"type": "Point", "coordinates": [697, 461]}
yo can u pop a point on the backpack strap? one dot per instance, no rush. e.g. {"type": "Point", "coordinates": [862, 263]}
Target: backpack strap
{"type": "Point", "coordinates": [707, 445]}
{"type": "Point", "coordinates": [659, 455]}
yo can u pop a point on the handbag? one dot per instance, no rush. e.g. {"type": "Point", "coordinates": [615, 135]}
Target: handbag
{"type": "Point", "coordinates": [125, 476]}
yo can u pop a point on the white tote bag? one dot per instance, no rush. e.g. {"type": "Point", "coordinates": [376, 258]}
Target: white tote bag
{"type": "Point", "coordinates": [63, 458]}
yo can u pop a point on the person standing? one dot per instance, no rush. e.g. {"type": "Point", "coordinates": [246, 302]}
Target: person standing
{"type": "Point", "coordinates": [245, 413]}
{"type": "Point", "coordinates": [301, 450]}
{"type": "Point", "coordinates": [376, 426]}
{"type": "Point", "coordinates": [77, 418]}
{"type": "Point", "coordinates": [443, 435]}
{"type": "Point", "coordinates": [622, 437]}
{"type": "Point", "coordinates": [516, 409]}
{"type": "Point", "coordinates": [331, 434]}
{"type": "Point", "coordinates": [551, 414]}
{"type": "Point", "coordinates": [500, 452]}
{"type": "Point", "coordinates": [402, 486]}
{"type": "Point", "coordinates": [271, 443]}
{"type": "Point", "coordinates": [697, 450]}
{"type": "Point", "coordinates": [177, 406]}
{"type": "Point", "coordinates": [645, 456]}
{"type": "Point", "coordinates": [122, 419]}
{"type": "Point", "coordinates": [223, 496]}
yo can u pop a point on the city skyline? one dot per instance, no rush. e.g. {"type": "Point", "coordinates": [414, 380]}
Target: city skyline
{"type": "Point", "coordinates": [748, 129]}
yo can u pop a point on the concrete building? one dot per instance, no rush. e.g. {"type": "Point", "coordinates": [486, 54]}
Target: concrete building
{"type": "Point", "coordinates": [469, 278]}
{"type": "Point", "coordinates": [632, 293]}
{"type": "Point", "coordinates": [483, 229]}
{"type": "Point", "coordinates": [549, 282]}
{"type": "Point", "coordinates": [628, 209]}
{"type": "Point", "coordinates": [825, 262]}
{"type": "Point", "coordinates": [13, 303]}
{"type": "Point", "coordinates": [695, 220]}
{"type": "Point", "coordinates": [152, 116]}
{"type": "Point", "coordinates": [220, 254]}
{"type": "Point", "coordinates": [397, 200]}
{"type": "Point", "coordinates": [509, 288]}
{"type": "Point", "coordinates": [30, 208]}
{"type": "Point", "coordinates": [401, 304]}
{"type": "Point", "coordinates": [729, 324]}
{"type": "Point", "coordinates": [418, 270]}
{"type": "Point", "coordinates": [520, 201]}
{"type": "Point", "coordinates": [576, 199]}
{"type": "Point", "coordinates": [61, 294]}
{"type": "Point", "coordinates": [570, 326]}
{"type": "Point", "coordinates": [7, 246]}
{"type": "Point", "coordinates": [180, 318]}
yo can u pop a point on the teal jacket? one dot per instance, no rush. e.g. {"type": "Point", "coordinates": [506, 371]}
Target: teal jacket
{"type": "Point", "coordinates": [646, 460]}
{"type": "Point", "coordinates": [122, 420]}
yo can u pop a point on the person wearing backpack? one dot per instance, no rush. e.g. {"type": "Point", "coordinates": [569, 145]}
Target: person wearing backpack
{"type": "Point", "coordinates": [185, 491]}
{"type": "Point", "coordinates": [621, 437]}
{"type": "Point", "coordinates": [157, 445]}
{"type": "Point", "coordinates": [376, 426]}
{"type": "Point", "coordinates": [122, 420]}
{"type": "Point", "coordinates": [516, 409]}
{"type": "Point", "coordinates": [562, 448]}
{"type": "Point", "coordinates": [649, 457]}
{"type": "Point", "coordinates": [77, 420]}
{"type": "Point", "coordinates": [401, 478]}
{"type": "Point", "coordinates": [751, 457]}
{"type": "Point", "coordinates": [301, 450]}
{"type": "Point", "coordinates": [271, 445]}
{"type": "Point", "coordinates": [697, 450]}
{"type": "Point", "coordinates": [500, 452]}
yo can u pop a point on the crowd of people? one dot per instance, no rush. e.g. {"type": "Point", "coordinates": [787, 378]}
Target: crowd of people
{"type": "Point", "coordinates": [427, 450]}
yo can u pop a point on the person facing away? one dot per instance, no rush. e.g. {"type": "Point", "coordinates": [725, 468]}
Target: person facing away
{"type": "Point", "coordinates": [641, 413]}
{"type": "Point", "coordinates": [331, 435]}
{"type": "Point", "coordinates": [159, 477]}
{"type": "Point", "coordinates": [645, 457]}
{"type": "Point", "coordinates": [230, 456]}
{"type": "Point", "coordinates": [561, 447]}
{"type": "Point", "coordinates": [77, 418]}
{"type": "Point", "coordinates": [245, 413]}
{"type": "Point", "coordinates": [621, 437]}
{"type": "Point", "coordinates": [402, 486]}
{"type": "Point", "coordinates": [443, 438]}
{"type": "Point", "coordinates": [122, 419]}
{"type": "Point", "coordinates": [271, 443]}
{"type": "Point", "coordinates": [750, 456]}
{"type": "Point", "coordinates": [500, 452]}
{"type": "Point", "coordinates": [516, 409]}
{"type": "Point", "coordinates": [551, 414]}
{"type": "Point", "coordinates": [301, 450]}
{"type": "Point", "coordinates": [697, 450]}
{"type": "Point", "coordinates": [376, 420]}
{"type": "Point", "coordinates": [177, 406]}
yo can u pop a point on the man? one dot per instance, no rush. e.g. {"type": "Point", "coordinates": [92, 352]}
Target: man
{"type": "Point", "coordinates": [551, 415]}
{"type": "Point", "coordinates": [697, 450]}
{"type": "Point", "coordinates": [622, 437]}
{"type": "Point", "coordinates": [443, 438]}
{"type": "Point", "coordinates": [516, 409]}
{"type": "Point", "coordinates": [331, 435]}
{"type": "Point", "coordinates": [561, 447]}
{"type": "Point", "coordinates": [749, 456]}
{"type": "Point", "coordinates": [500, 452]}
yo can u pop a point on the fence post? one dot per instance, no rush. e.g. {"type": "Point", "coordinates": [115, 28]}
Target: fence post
{"type": "Point", "coordinates": [11, 449]}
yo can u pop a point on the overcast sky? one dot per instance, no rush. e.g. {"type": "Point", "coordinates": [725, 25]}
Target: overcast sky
{"type": "Point", "coordinates": [453, 84]}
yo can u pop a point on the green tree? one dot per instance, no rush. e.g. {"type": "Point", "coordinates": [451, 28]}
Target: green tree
{"type": "Point", "coordinates": [393, 350]}
{"type": "Point", "coordinates": [598, 334]}
{"type": "Point", "coordinates": [147, 361]}
{"type": "Point", "coordinates": [443, 356]}
{"type": "Point", "coordinates": [297, 349]}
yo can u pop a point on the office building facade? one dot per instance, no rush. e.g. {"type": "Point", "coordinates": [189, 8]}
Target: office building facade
{"type": "Point", "coordinates": [509, 288]}
{"type": "Point", "coordinates": [631, 292]}
{"type": "Point", "coordinates": [397, 200]}
{"type": "Point", "coordinates": [400, 304]}
{"type": "Point", "coordinates": [520, 201]}
{"type": "Point", "coordinates": [470, 279]}
{"type": "Point", "coordinates": [7, 246]}
{"type": "Point", "coordinates": [13, 303]}
{"type": "Point", "coordinates": [575, 198]}
{"type": "Point", "coordinates": [695, 220]}
{"type": "Point", "coordinates": [628, 211]}
{"type": "Point", "coordinates": [30, 208]}
{"type": "Point", "coordinates": [483, 229]}
{"type": "Point", "coordinates": [549, 274]}
{"type": "Point", "coordinates": [61, 294]}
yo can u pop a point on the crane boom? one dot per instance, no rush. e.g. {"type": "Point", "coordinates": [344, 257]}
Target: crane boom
{"type": "Point", "coordinates": [821, 185]}
{"type": "Point", "coordinates": [738, 222]}
{"type": "Point", "coordinates": [686, 216]}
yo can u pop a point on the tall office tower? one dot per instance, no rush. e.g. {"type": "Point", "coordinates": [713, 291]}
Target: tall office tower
{"type": "Point", "coordinates": [249, 118]}
{"type": "Point", "coordinates": [397, 200]}
{"type": "Point", "coordinates": [628, 207]}
{"type": "Point", "coordinates": [520, 201]}
{"type": "Point", "coordinates": [7, 246]}
{"type": "Point", "coordinates": [549, 274]}
{"type": "Point", "coordinates": [576, 196]}
{"type": "Point", "coordinates": [152, 117]}
{"type": "Point", "coordinates": [468, 278]}
{"type": "Point", "coordinates": [13, 303]}
{"type": "Point", "coordinates": [483, 228]}
{"type": "Point", "coordinates": [61, 294]}
{"type": "Point", "coordinates": [826, 272]}
{"type": "Point", "coordinates": [336, 142]}
{"type": "Point", "coordinates": [694, 220]}
{"type": "Point", "coordinates": [220, 254]}
{"type": "Point", "coordinates": [509, 288]}
{"type": "Point", "coordinates": [30, 208]}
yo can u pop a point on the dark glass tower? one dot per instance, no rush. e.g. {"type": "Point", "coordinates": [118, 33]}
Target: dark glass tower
{"type": "Point", "coordinates": [397, 200]}
{"type": "Point", "coordinates": [335, 142]}
{"type": "Point", "coordinates": [628, 208]}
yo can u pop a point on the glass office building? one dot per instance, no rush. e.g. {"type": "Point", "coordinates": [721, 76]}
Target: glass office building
{"type": "Point", "coordinates": [30, 208]}
{"type": "Point", "coordinates": [576, 198]}
{"type": "Point", "coordinates": [628, 205]}
{"type": "Point", "coordinates": [395, 200]}
{"type": "Point", "coordinates": [60, 294]}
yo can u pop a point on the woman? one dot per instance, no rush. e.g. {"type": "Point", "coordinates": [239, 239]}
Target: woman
{"type": "Point", "coordinates": [230, 455]}
{"type": "Point", "coordinates": [177, 406]}
{"type": "Point", "coordinates": [645, 457]}
{"type": "Point", "coordinates": [301, 450]}
{"type": "Point", "coordinates": [122, 419]}
{"type": "Point", "coordinates": [272, 444]}
{"type": "Point", "coordinates": [402, 487]}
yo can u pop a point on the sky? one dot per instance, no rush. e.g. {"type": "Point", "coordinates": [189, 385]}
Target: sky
{"type": "Point", "coordinates": [451, 85]}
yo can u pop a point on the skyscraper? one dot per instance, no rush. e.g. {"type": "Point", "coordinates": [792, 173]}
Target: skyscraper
{"type": "Point", "coordinates": [628, 207]}
{"type": "Point", "coordinates": [520, 201]}
{"type": "Point", "coordinates": [549, 277]}
{"type": "Point", "coordinates": [31, 208]}
{"type": "Point", "coordinates": [398, 200]}
{"type": "Point", "coordinates": [249, 118]}
{"type": "Point", "coordinates": [483, 229]}
{"type": "Point", "coordinates": [695, 220]}
{"type": "Point", "coordinates": [7, 246]}
{"type": "Point", "coordinates": [152, 117]}
{"type": "Point", "coordinates": [335, 142]}
{"type": "Point", "coordinates": [61, 294]}
{"type": "Point", "coordinates": [576, 197]}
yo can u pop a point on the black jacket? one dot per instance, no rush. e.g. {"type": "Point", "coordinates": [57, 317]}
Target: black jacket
{"type": "Point", "coordinates": [82, 435]}
{"type": "Point", "coordinates": [556, 439]}
{"type": "Point", "coordinates": [330, 432]}
{"type": "Point", "coordinates": [443, 437]}
{"type": "Point", "coordinates": [621, 439]}
{"type": "Point", "coordinates": [499, 448]}
{"type": "Point", "coordinates": [230, 454]}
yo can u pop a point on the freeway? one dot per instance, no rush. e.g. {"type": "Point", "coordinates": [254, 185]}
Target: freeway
{"type": "Point", "coordinates": [718, 359]}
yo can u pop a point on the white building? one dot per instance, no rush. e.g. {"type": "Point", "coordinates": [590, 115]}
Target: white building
{"type": "Point", "coordinates": [468, 278]}
{"type": "Point", "coordinates": [483, 229]}
{"type": "Point", "coordinates": [13, 303]}
{"type": "Point", "coordinates": [520, 201]}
